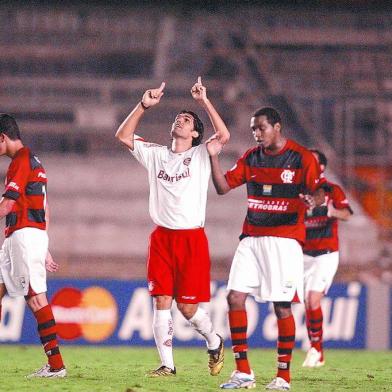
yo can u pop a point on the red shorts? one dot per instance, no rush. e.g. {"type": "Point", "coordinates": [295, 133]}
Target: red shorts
{"type": "Point", "coordinates": [179, 265]}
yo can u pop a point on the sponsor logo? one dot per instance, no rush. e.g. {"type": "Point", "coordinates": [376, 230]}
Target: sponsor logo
{"type": "Point", "coordinates": [187, 161]}
{"type": "Point", "coordinates": [288, 285]}
{"type": "Point", "coordinates": [42, 174]}
{"type": "Point", "coordinates": [283, 365]}
{"type": "Point", "coordinates": [188, 296]}
{"type": "Point", "coordinates": [168, 343]}
{"type": "Point", "coordinates": [91, 313]}
{"type": "Point", "coordinates": [13, 185]}
{"type": "Point", "coordinates": [171, 329]}
{"type": "Point", "coordinates": [268, 205]}
{"type": "Point", "coordinates": [164, 176]}
{"type": "Point", "coordinates": [267, 190]}
{"type": "Point", "coordinates": [316, 223]}
{"type": "Point", "coordinates": [287, 176]}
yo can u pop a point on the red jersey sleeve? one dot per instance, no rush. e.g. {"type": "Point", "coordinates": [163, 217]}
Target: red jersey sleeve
{"type": "Point", "coordinates": [236, 176]}
{"type": "Point", "coordinates": [16, 179]}
{"type": "Point", "coordinates": [339, 198]}
{"type": "Point", "coordinates": [312, 173]}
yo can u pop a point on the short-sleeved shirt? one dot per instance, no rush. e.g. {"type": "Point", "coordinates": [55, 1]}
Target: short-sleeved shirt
{"type": "Point", "coordinates": [25, 183]}
{"type": "Point", "coordinates": [274, 182]}
{"type": "Point", "coordinates": [321, 230]}
{"type": "Point", "coordinates": [178, 183]}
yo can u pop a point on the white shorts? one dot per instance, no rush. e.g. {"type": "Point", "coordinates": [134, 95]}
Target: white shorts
{"type": "Point", "coordinates": [22, 261]}
{"type": "Point", "coordinates": [269, 268]}
{"type": "Point", "coordinates": [319, 271]}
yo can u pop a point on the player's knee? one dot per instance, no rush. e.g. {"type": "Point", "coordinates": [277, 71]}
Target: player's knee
{"type": "Point", "coordinates": [36, 302]}
{"type": "Point", "coordinates": [162, 302]}
{"type": "Point", "coordinates": [236, 300]}
{"type": "Point", "coordinates": [282, 309]}
{"type": "Point", "coordinates": [187, 310]}
{"type": "Point", "coordinates": [313, 300]}
{"type": "Point", "coordinates": [3, 291]}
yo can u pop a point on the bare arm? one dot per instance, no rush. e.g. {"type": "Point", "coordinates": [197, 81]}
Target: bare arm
{"type": "Point", "coordinates": [50, 264]}
{"type": "Point", "coordinates": [127, 129]}
{"type": "Point", "coordinates": [6, 206]}
{"type": "Point", "coordinates": [342, 214]}
{"type": "Point", "coordinates": [218, 178]}
{"type": "Point", "coordinates": [199, 93]}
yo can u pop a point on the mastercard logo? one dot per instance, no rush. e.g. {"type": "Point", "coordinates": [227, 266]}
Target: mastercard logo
{"type": "Point", "coordinates": [91, 313]}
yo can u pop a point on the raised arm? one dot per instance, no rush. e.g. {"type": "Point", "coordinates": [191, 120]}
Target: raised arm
{"type": "Point", "coordinates": [127, 129]}
{"type": "Point", "coordinates": [199, 93]}
{"type": "Point", "coordinates": [343, 214]}
{"type": "Point", "coordinates": [218, 178]}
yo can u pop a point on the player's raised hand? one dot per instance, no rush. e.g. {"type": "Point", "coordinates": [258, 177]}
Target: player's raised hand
{"type": "Point", "coordinates": [198, 91]}
{"type": "Point", "coordinates": [331, 209]}
{"type": "Point", "coordinates": [50, 264]}
{"type": "Point", "coordinates": [214, 146]}
{"type": "Point", "coordinates": [152, 96]}
{"type": "Point", "coordinates": [308, 200]}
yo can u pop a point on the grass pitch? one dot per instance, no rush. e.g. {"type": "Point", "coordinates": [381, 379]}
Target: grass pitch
{"type": "Point", "coordinates": [96, 369]}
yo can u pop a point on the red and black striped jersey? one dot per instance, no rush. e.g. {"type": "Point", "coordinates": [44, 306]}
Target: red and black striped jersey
{"type": "Point", "coordinates": [26, 184]}
{"type": "Point", "coordinates": [274, 183]}
{"type": "Point", "coordinates": [321, 230]}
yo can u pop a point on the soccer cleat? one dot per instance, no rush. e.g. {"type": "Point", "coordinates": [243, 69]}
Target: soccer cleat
{"type": "Point", "coordinates": [47, 372]}
{"type": "Point", "coordinates": [240, 380]}
{"type": "Point", "coordinates": [278, 384]}
{"type": "Point", "coordinates": [216, 358]}
{"type": "Point", "coordinates": [162, 371]}
{"type": "Point", "coordinates": [313, 359]}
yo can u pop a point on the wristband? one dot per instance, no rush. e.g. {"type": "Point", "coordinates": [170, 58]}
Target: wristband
{"type": "Point", "coordinates": [143, 105]}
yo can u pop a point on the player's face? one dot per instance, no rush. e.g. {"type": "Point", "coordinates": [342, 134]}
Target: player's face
{"type": "Point", "coordinates": [264, 133]}
{"type": "Point", "coordinates": [3, 147]}
{"type": "Point", "coordinates": [183, 127]}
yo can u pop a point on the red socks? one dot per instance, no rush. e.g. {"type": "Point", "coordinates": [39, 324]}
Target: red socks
{"type": "Point", "coordinates": [315, 329]}
{"type": "Point", "coordinates": [238, 328]}
{"type": "Point", "coordinates": [47, 333]}
{"type": "Point", "coordinates": [286, 342]}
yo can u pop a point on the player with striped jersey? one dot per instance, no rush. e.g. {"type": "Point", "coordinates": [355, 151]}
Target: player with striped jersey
{"type": "Point", "coordinates": [268, 263]}
{"type": "Point", "coordinates": [321, 257]}
{"type": "Point", "coordinates": [24, 254]}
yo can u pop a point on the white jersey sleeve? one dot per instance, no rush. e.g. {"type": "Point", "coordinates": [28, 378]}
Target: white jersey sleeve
{"type": "Point", "coordinates": [144, 151]}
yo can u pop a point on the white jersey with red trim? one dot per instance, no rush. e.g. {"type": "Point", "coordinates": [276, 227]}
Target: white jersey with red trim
{"type": "Point", "coordinates": [178, 183]}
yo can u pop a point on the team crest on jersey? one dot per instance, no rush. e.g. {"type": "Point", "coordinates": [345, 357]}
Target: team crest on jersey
{"type": "Point", "coordinates": [187, 161]}
{"type": "Point", "coordinates": [287, 176]}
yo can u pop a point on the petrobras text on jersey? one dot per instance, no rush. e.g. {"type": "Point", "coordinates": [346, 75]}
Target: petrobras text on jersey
{"type": "Point", "coordinates": [120, 313]}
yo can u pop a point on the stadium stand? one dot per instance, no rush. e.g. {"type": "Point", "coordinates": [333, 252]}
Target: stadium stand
{"type": "Point", "coordinates": [70, 75]}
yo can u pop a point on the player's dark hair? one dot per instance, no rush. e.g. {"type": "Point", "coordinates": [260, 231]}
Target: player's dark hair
{"type": "Point", "coordinates": [321, 157]}
{"type": "Point", "coordinates": [273, 117]}
{"type": "Point", "coordinates": [198, 125]}
{"type": "Point", "coordinates": [9, 127]}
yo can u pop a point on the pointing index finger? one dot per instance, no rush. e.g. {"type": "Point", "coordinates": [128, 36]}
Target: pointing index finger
{"type": "Point", "coordinates": [199, 80]}
{"type": "Point", "coordinates": [162, 86]}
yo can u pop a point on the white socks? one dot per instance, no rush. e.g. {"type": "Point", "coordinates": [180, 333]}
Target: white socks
{"type": "Point", "coordinates": [162, 326]}
{"type": "Point", "coordinates": [202, 324]}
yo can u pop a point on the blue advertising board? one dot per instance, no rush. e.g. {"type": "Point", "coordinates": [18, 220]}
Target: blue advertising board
{"type": "Point", "coordinates": [108, 312]}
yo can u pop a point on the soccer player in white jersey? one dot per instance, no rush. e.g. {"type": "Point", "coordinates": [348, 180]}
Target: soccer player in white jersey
{"type": "Point", "coordinates": [178, 264]}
